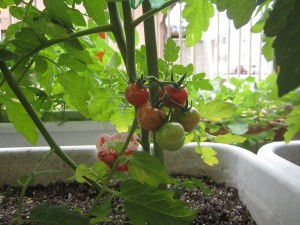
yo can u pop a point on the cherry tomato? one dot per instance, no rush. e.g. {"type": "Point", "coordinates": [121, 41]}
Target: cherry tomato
{"type": "Point", "coordinates": [122, 167]}
{"type": "Point", "coordinates": [177, 95]}
{"type": "Point", "coordinates": [170, 136]}
{"type": "Point", "coordinates": [189, 119]}
{"type": "Point", "coordinates": [136, 95]}
{"type": "Point", "coordinates": [150, 118]}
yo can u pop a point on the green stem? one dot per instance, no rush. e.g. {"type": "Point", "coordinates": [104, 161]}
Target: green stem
{"type": "Point", "coordinates": [113, 169]}
{"type": "Point", "coordinates": [152, 64]}
{"type": "Point", "coordinates": [27, 183]}
{"type": "Point", "coordinates": [22, 98]}
{"type": "Point", "coordinates": [117, 29]}
{"type": "Point", "coordinates": [130, 42]}
{"type": "Point", "coordinates": [150, 13]}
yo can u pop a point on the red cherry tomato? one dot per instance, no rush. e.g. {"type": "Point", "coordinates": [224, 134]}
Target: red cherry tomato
{"type": "Point", "coordinates": [150, 118]}
{"type": "Point", "coordinates": [177, 95]}
{"type": "Point", "coordinates": [136, 95]}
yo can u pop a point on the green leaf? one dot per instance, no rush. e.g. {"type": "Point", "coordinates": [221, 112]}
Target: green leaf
{"type": "Point", "coordinates": [238, 128]}
{"type": "Point", "coordinates": [278, 17]}
{"type": "Point", "coordinates": [171, 50]}
{"type": "Point", "coordinates": [103, 211]}
{"type": "Point", "coordinates": [72, 63]}
{"type": "Point", "coordinates": [147, 169]}
{"type": "Point", "coordinates": [57, 10]}
{"type": "Point", "coordinates": [205, 190]}
{"type": "Point", "coordinates": [47, 26]}
{"type": "Point", "coordinates": [122, 119]}
{"type": "Point", "coordinates": [41, 65]}
{"type": "Point", "coordinates": [181, 69]}
{"type": "Point", "coordinates": [208, 155]}
{"type": "Point", "coordinates": [21, 120]}
{"type": "Point", "coordinates": [240, 11]}
{"type": "Point", "coordinates": [75, 48]}
{"type": "Point", "coordinates": [259, 25]}
{"type": "Point", "coordinates": [5, 3]}
{"type": "Point", "coordinates": [293, 124]}
{"type": "Point", "coordinates": [197, 13]}
{"type": "Point", "coordinates": [27, 39]}
{"type": "Point", "coordinates": [287, 53]}
{"type": "Point", "coordinates": [143, 204]}
{"type": "Point", "coordinates": [96, 10]}
{"type": "Point", "coordinates": [76, 17]}
{"type": "Point", "coordinates": [267, 49]}
{"type": "Point", "coordinates": [222, 5]}
{"type": "Point", "coordinates": [199, 82]}
{"type": "Point", "coordinates": [77, 89]}
{"type": "Point", "coordinates": [19, 12]}
{"type": "Point", "coordinates": [6, 55]}
{"type": "Point", "coordinates": [216, 111]}
{"type": "Point", "coordinates": [100, 97]}
{"type": "Point", "coordinates": [46, 214]}
{"type": "Point", "coordinates": [229, 139]}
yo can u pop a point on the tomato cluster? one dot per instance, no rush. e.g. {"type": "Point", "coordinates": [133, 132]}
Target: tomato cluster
{"type": "Point", "coordinates": [170, 129]}
{"type": "Point", "coordinates": [109, 160]}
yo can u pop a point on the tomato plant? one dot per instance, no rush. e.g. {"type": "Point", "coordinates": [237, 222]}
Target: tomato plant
{"type": "Point", "coordinates": [178, 96]}
{"type": "Point", "coordinates": [170, 136]}
{"type": "Point", "coordinates": [136, 95]}
{"type": "Point", "coordinates": [188, 119]}
{"type": "Point", "coordinates": [149, 117]}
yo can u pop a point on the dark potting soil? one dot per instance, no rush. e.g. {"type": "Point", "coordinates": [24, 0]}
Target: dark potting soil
{"type": "Point", "coordinates": [219, 208]}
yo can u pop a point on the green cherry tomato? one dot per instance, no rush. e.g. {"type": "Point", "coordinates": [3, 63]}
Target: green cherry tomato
{"type": "Point", "coordinates": [170, 136]}
{"type": "Point", "coordinates": [189, 120]}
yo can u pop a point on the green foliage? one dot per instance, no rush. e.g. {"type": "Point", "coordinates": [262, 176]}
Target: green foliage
{"type": "Point", "coordinates": [293, 124]}
{"type": "Point", "coordinates": [197, 13]}
{"type": "Point", "coordinates": [46, 214]}
{"type": "Point", "coordinates": [171, 51]}
{"type": "Point", "coordinates": [147, 169]}
{"type": "Point", "coordinates": [216, 110]}
{"type": "Point", "coordinates": [208, 155]}
{"type": "Point", "coordinates": [144, 204]}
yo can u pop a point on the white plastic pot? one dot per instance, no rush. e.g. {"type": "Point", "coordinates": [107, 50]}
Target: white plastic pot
{"type": "Point", "coordinates": [71, 133]}
{"type": "Point", "coordinates": [270, 195]}
{"type": "Point", "coordinates": [285, 157]}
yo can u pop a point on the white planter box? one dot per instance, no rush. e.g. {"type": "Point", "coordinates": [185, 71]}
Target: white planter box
{"type": "Point", "coordinates": [270, 196]}
{"type": "Point", "coordinates": [71, 133]}
{"type": "Point", "coordinates": [285, 157]}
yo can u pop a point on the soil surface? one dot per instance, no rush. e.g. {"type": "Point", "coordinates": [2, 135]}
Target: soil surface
{"type": "Point", "coordinates": [222, 207]}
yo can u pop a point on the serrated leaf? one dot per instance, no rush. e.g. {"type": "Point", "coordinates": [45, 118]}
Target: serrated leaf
{"type": "Point", "coordinates": [238, 128]}
{"type": "Point", "coordinates": [229, 139]}
{"type": "Point", "coordinates": [96, 10]}
{"type": "Point", "coordinates": [199, 82]}
{"type": "Point", "coordinates": [72, 63]}
{"type": "Point", "coordinates": [75, 86]}
{"type": "Point", "coordinates": [171, 50]}
{"type": "Point", "coordinates": [208, 155]}
{"type": "Point", "coordinates": [122, 119]}
{"type": "Point", "coordinates": [57, 10]}
{"type": "Point", "coordinates": [100, 97]}
{"type": "Point", "coordinates": [181, 69]}
{"type": "Point", "coordinates": [216, 111]}
{"type": "Point", "coordinates": [197, 13]}
{"type": "Point", "coordinates": [46, 214]}
{"type": "Point", "coordinates": [240, 11]}
{"type": "Point", "coordinates": [293, 124]}
{"type": "Point", "coordinates": [21, 121]}
{"type": "Point", "coordinates": [143, 204]}
{"type": "Point", "coordinates": [147, 169]}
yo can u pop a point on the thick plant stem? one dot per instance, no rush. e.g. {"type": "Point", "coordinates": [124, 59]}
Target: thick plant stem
{"type": "Point", "coordinates": [117, 29]}
{"type": "Point", "coordinates": [151, 54]}
{"type": "Point", "coordinates": [22, 98]}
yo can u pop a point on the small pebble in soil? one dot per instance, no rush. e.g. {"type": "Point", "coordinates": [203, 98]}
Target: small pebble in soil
{"type": "Point", "coordinates": [222, 207]}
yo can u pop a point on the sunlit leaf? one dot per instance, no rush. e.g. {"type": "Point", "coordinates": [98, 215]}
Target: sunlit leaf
{"type": "Point", "coordinates": [229, 139]}
{"type": "Point", "coordinates": [208, 155]}
{"type": "Point", "coordinates": [171, 50]}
